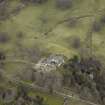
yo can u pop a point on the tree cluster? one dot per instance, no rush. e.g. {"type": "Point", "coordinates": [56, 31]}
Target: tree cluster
{"type": "Point", "coordinates": [84, 75]}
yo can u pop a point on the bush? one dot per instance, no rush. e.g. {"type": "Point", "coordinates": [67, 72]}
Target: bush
{"type": "Point", "coordinates": [19, 35]}
{"type": "Point", "coordinates": [2, 56]}
{"type": "Point", "coordinates": [34, 1]}
{"type": "Point", "coordinates": [4, 11]}
{"type": "Point", "coordinates": [72, 23]}
{"type": "Point", "coordinates": [64, 4]}
{"type": "Point", "coordinates": [96, 26]}
{"type": "Point", "coordinates": [39, 1]}
{"type": "Point", "coordinates": [102, 20]}
{"type": "Point", "coordinates": [1, 1]}
{"type": "Point", "coordinates": [4, 37]}
{"type": "Point", "coordinates": [75, 42]}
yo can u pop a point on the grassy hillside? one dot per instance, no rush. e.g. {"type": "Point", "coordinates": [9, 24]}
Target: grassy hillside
{"type": "Point", "coordinates": [26, 30]}
{"type": "Point", "coordinates": [29, 21]}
